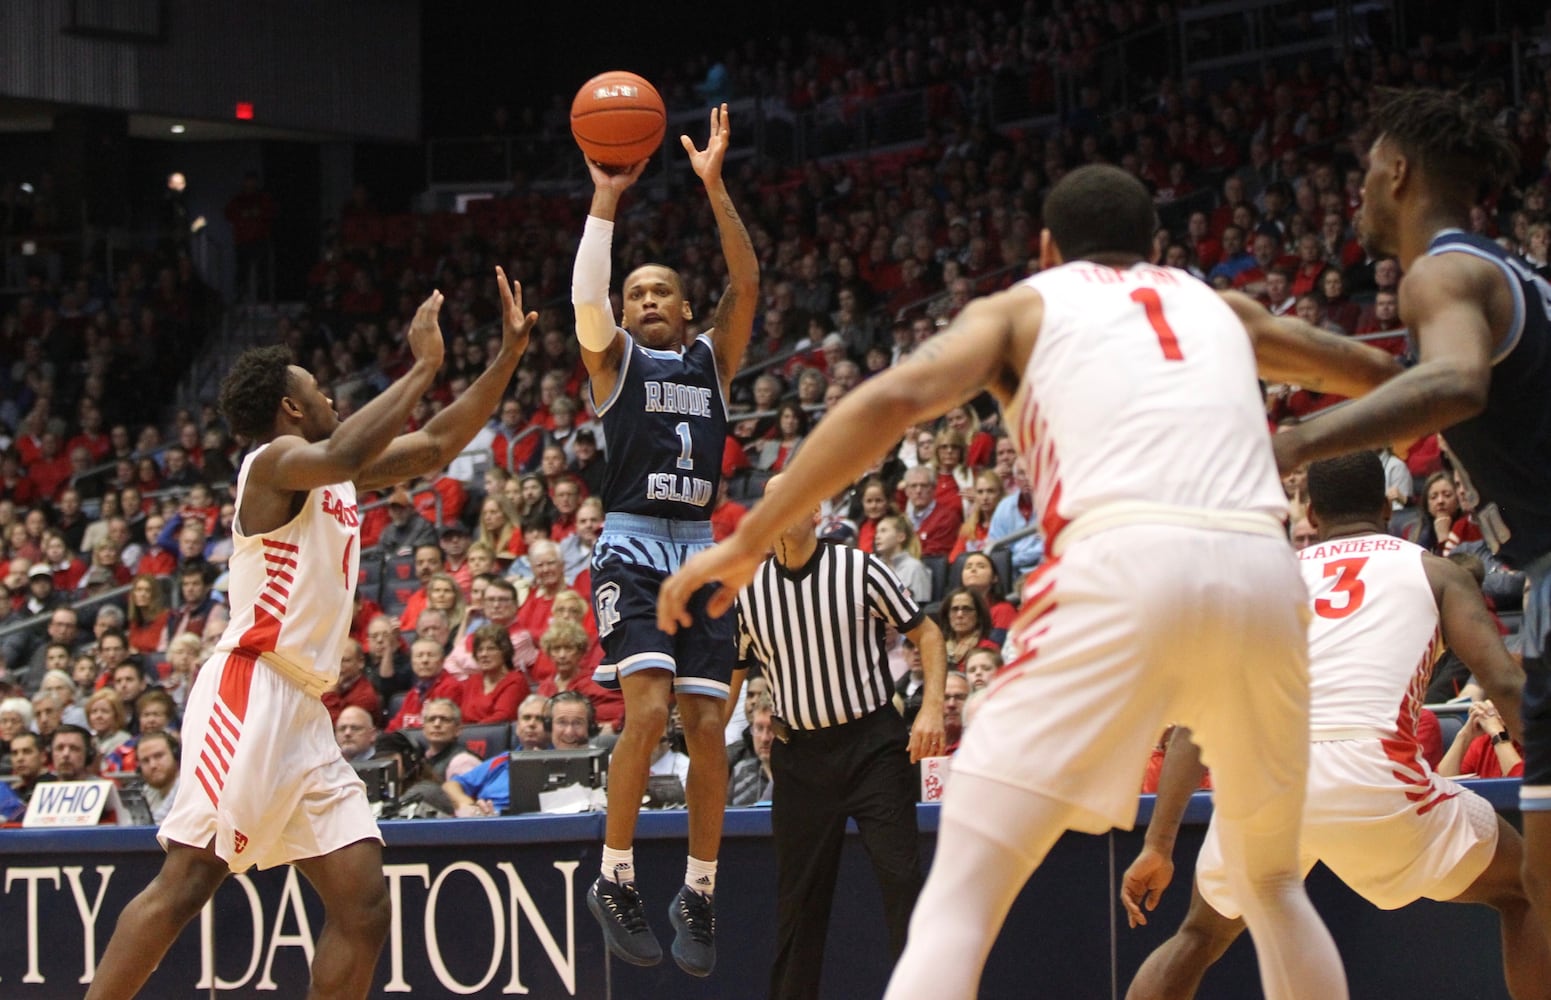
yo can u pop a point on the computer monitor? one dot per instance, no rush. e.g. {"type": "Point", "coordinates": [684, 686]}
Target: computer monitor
{"type": "Point", "coordinates": [529, 772]}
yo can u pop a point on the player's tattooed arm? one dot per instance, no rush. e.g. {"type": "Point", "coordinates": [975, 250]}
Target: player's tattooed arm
{"type": "Point", "coordinates": [735, 312]}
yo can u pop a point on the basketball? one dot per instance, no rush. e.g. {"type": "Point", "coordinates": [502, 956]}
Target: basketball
{"type": "Point", "coordinates": [618, 119]}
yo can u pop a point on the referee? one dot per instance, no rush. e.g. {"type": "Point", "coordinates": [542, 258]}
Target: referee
{"type": "Point", "coordinates": [815, 617]}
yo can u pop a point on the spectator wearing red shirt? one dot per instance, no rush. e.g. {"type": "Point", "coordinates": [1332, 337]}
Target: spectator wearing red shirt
{"type": "Point", "coordinates": [452, 494]}
{"type": "Point", "coordinates": [727, 513]}
{"type": "Point", "coordinates": [430, 682]}
{"type": "Point", "coordinates": [1339, 309]}
{"type": "Point", "coordinates": [564, 643]}
{"type": "Point", "coordinates": [51, 470]}
{"type": "Point", "coordinates": [1267, 253]}
{"type": "Point", "coordinates": [66, 566]}
{"type": "Point", "coordinates": [548, 580]}
{"type": "Point", "coordinates": [428, 563]}
{"type": "Point", "coordinates": [566, 494]}
{"type": "Point", "coordinates": [494, 691]}
{"type": "Point", "coordinates": [1482, 747]}
{"type": "Point", "coordinates": [15, 485]}
{"type": "Point", "coordinates": [91, 435]}
{"type": "Point", "coordinates": [935, 522]}
{"type": "Point", "coordinates": [506, 450]}
{"type": "Point", "coordinates": [1384, 317]}
{"type": "Point", "coordinates": [352, 688]}
{"type": "Point", "coordinates": [981, 451]}
{"type": "Point", "coordinates": [455, 550]}
{"type": "Point", "coordinates": [155, 559]}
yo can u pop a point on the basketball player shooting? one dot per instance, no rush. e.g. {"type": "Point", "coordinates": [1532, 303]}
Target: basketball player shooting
{"type": "Point", "coordinates": [661, 395]}
{"type": "Point", "coordinates": [1130, 391]}
{"type": "Point", "coordinates": [266, 784]}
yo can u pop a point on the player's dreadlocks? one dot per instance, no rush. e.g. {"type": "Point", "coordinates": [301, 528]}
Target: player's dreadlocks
{"type": "Point", "coordinates": [1451, 139]}
{"type": "Point", "coordinates": [251, 393]}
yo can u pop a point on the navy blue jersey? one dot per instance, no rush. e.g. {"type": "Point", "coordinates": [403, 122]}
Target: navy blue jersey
{"type": "Point", "coordinates": [666, 426]}
{"type": "Point", "coordinates": [1505, 450]}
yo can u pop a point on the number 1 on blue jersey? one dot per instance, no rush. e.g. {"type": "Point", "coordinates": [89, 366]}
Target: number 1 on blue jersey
{"type": "Point", "coordinates": [686, 449]}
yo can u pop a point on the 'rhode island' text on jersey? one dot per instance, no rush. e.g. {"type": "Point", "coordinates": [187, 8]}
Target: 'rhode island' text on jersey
{"type": "Point", "coordinates": [1505, 450]}
{"type": "Point", "coordinates": [666, 425]}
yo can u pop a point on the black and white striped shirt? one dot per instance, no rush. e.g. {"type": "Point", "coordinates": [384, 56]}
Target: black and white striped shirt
{"type": "Point", "coordinates": [819, 632]}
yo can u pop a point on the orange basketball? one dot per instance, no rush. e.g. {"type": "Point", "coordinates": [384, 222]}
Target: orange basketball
{"type": "Point", "coordinates": [618, 119]}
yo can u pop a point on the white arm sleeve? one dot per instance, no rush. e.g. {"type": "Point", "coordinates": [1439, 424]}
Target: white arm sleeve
{"type": "Point", "coordinates": [590, 286]}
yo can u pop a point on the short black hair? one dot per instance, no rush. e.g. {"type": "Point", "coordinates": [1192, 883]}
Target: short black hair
{"type": "Point", "coordinates": [1452, 139]}
{"type": "Point", "coordinates": [1346, 487]}
{"type": "Point", "coordinates": [70, 729]}
{"type": "Point", "coordinates": [1099, 209]}
{"type": "Point", "coordinates": [252, 390]}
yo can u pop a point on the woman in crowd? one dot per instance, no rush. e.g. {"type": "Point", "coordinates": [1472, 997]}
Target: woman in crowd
{"type": "Point", "coordinates": [564, 643]}
{"type": "Point", "coordinates": [1339, 309]}
{"type": "Point", "coordinates": [875, 506]}
{"type": "Point", "coordinates": [155, 713]}
{"type": "Point", "coordinates": [1482, 748]}
{"type": "Point", "coordinates": [58, 685]}
{"type": "Point", "coordinates": [978, 574]}
{"type": "Point", "coordinates": [573, 607]}
{"type": "Point", "coordinates": [1444, 525]}
{"type": "Point", "coordinates": [177, 673]}
{"type": "Point", "coordinates": [966, 625]}
{"type": "Point", "coordinates": [15, 719]}
{"type": "Point", "coordinates": [791, 428]}
{"type": "Point", "coordinates": [955, 480]}
{"type": "Point", "coordinates": [108, 721]}
{"type": "Point", "coordinates": [442, 594]}
{"type": "Point", "coordinates": [492, 694]}
{"type": "Point", "coordinates": [977, 514]}
{"type": "Point", "coordinates": [97, 531]}
{"type": "Point", "coordinates": [148, 613]}
{"type": "Point", "coordinates": [496, 530]}
{"type": "Point", "coordinates": [895, 542]}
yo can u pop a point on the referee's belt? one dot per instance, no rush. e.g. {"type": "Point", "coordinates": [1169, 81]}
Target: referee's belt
{"type": "Point", "coordinates": [786, 732]}
{"type": "Point", "coordinates": [1125, 512]}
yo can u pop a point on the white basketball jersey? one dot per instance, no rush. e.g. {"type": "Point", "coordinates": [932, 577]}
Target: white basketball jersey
{"type": "Point", "coordinates": [1374, 634]}
{"type": "Point", "coordinates": [291, 589]}
{"type": "Point", "coordinates": [1141, 386]}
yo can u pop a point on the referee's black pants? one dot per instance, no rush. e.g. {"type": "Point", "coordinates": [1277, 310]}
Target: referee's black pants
{"type": "Point", "coordinates": [860, 770]}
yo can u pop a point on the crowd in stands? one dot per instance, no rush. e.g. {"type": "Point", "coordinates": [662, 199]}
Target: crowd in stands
{"type": "Point", "coordinates": [473, 612]}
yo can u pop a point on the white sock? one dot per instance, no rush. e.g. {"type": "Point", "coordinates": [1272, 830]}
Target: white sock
{"type": "Point", "coordinates": [619, 866]}
{"type": "Point", "coordinates": [701, 876]}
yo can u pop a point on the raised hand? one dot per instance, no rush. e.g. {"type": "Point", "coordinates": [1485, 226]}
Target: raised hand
{"type": "Point", "coordinates": [614, 179]}
{"type": "Point", "coordinates": [516, 326]}
{"type": "Point", "coordinates": [425, 332]}
{"type": "Point", "coordinates": [707, 163]}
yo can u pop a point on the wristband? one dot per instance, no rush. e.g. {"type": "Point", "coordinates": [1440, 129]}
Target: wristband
{"type": "Point", "coordinates": [1502, 737]}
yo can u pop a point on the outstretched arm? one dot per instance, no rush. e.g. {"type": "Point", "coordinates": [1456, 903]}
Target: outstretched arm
{"type": "Point", "coordinates": [990, 337]}
{"type": "Point", "coordinates": [1289, 350]}
{"type": "Point", "coordinates": [431, 447]}
{"type": "Point", "coordinates": [1471, 633]}
{"type": "Point", "coordinates": [292, 465]}
{"type": "Point", "coordinates": [1442, 299]}
{"type": "Point", "coordinates": [734, 322]}
{"type": "Point", "coordinates": [596, 331]}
